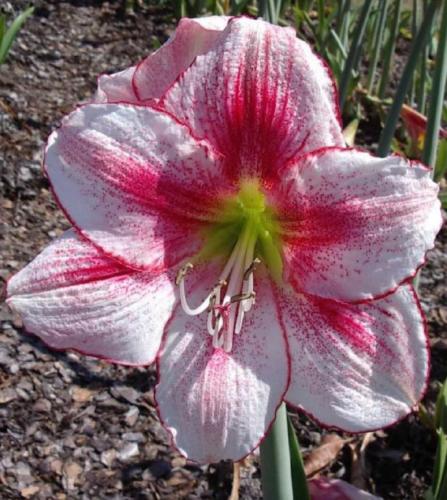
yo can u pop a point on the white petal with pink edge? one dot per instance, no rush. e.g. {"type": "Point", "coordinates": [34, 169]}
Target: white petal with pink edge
{"type": "Point", "coordinates": [260, 96]}
{"type": "Point", "coordinates": [356, 367]}
{"type": "Point", "coordinates": [219, 405]}
{"type": "Point", "coordinates": [155, 74]}
{"type": "Point", "coordinates": [116, 87]}
{"type": "Point", "coordinates": [73, 297]}
{"type": "Point", "coordinates": [355, 226]}
{"type": "Point", "coordinates": [134, 182]}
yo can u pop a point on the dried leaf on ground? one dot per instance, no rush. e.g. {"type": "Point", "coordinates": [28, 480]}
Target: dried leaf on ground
{"type": "Point", "coordinates": [320, 457]}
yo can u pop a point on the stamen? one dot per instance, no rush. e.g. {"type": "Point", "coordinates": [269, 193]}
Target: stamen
{"type": "Point", "coordinates": [226, 314]}
{"type": "Point", "coordinates": [180, 282]}
{"type": "Point", "coordinates": [183, 271]}
{"type": "Point", "coordinates": [252, 268]}
{"type": "Point", "coordinates": [242, 296]}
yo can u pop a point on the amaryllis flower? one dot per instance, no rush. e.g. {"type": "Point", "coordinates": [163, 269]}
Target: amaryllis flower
{"type": "Point", "coordinates": [222, 230]}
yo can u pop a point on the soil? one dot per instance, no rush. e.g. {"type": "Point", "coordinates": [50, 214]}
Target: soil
{"type": "Point", "coordinates": [75, 427]}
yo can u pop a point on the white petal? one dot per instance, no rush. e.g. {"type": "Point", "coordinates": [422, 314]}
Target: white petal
{"type": "Point", "coordinates": [356, 367]}
{"type": "Point", "coordinates": [355, 226]}
{"type": "Point", "coordinates": [218, 405]}
{"type": "Point", "coordinates": [73, 297]}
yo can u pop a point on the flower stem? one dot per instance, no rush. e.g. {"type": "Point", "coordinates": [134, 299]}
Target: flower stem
{"type": "Point", "coordinates": [275, 460]}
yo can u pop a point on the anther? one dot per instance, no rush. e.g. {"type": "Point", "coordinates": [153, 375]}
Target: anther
{"type": "Point", "coordinates": [242, 296]}
{"type": "Point", "coordinates": [252, 268]}
{"type": "Point", "coordinates": [183, 271]}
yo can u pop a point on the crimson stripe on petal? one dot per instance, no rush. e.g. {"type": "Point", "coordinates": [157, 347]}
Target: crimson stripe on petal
{"type": "Point", "coordinates": [355, 226]}
{"type": "Point", "coordinates": [134, 182]}
{"type": "Point", "coordinates": [74, 297]}
{"type": "Point", "coordinates": [356, 367]}
{"type": "Point", "coordinates": [260, 96]}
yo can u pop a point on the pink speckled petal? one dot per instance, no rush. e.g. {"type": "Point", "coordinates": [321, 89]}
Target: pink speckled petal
{"type": "Point", "coordinates": [260, 96]}
{"type": "Point", "coordinates": [134, 182]}
{"type": "Point", "coordinates": [73, 297]}
{"type": "Point", "coordinates": [356, 367]}
{"type": "Point", "coordinates": [156, 73]}
{"type": "Point", "coordinates": [218, 405]}
{"type": "Point", "coordinates": [116, 87]}
{"type": "Point", "coordinates": [324, 488]}
{"type": "Point", "coordinates": [355, 226]}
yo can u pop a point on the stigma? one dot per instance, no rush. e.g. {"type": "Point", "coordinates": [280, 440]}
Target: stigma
{"type": "Point", "coordinates": [232, 297]}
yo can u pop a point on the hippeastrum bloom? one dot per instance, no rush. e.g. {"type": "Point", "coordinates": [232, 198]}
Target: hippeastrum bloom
{"type": "Point", "coordinates": [221, 229]}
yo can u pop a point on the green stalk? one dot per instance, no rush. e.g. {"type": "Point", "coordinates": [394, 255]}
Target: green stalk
{"type": "Point", "coordinates": [421, 96]}
{"type": "Point", "coordinates": [437, 99]}
{"type": "Point", "coordinates": [414, 28]}
{"type": "Point", "coordinates": [275, 460]}
{"type": "Point", "coordinates": [343, 6]}
{"type": "Point", "coordinates": [378, 39]}
{"type": "Point", "coordinates": [417, 46]}
{"type": "Point", "coordinates": [299, 480]}
{"type": "Point", "coordinates": [389, 50]}
{"type": "Point", "coordinates": [354, 51]}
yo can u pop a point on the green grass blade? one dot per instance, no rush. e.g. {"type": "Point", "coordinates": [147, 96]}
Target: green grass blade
{"type": "Point", "coordinates": [441, 161]}
{"type": "Point", "coordinates": [378, 41]}
{"type": "Point", "coordinates": [440, 461]}
{"type": "Point", "coordinates": [299, 481]}
{"type": "Point", "coordinates": [421, 91]}
{"type": "Point", "coordinates": [437, 95]}
{"type": "Point", "coordinates": [441, 408]}
{"type": "Point", "coordinates": [339, 44]}
{"type": "Point", "coordinates": [276, 474]}
{"type": "Point", "coordinates": [2, 27]}
{"type": "Point", "coordinates": [417, 46]}
{"type": "Point", "coordinates": [11, 33]}
{"type": "Point", "coordinates": [443, 198]}
{"type": "Point", "coordinates": [389, 49]}
{"type": "Point", "coordinates": [414, 28]}
{"type": "Point", "coordinates": [354, 51]}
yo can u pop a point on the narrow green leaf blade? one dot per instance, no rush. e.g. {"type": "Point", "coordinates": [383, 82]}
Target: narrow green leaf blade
{"type": "Point", "coordinates": [299, 480]}
{"type": "Point", "coordinates": [441, 161]}
{"type": "Point", "coordinates": [12, 32]}
{"type": "Point", "coordinates": [439, 470]}
{"type": "Point", "coordinates": [417, 46]}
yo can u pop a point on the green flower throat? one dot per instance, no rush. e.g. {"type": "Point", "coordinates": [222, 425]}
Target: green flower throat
{"type": "Point", "coordinates": [246, 232]}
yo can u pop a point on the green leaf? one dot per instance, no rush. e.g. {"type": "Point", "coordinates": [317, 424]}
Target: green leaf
{"type": "Point", "coordinates": [439, 470]}
{"type": "Point", "coordinates": [2, 27]}
{"type": "Point", "coordinates": [426, 418]}
{"type": "Point", "coordinates": [11, 33]}
{"type": "Point", "coordinates": [275, 460]}
{"type": "Point", "coordinates": [441, 160]}
{"type": "Point", "coordinates": [443, 198]}
{"type": "Point", "coordinates": [299, 481]}
{"type": "Point", "coordinates": [441, 408]}
{"type": "Point", "coordinates": [434, 114]}
{"type": "Point", "coordinates": [417, 47]}
{"type": "Point", "coordinates": [353, 58]}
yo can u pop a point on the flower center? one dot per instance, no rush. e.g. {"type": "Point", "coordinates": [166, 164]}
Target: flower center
{"type": "Point", "coordinates": [246, 229]}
